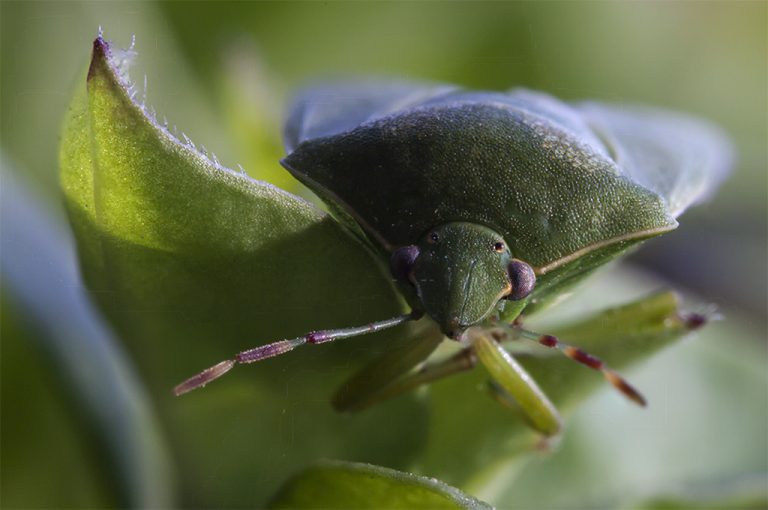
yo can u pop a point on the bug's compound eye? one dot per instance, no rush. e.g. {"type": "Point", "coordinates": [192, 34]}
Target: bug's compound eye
{"type": "Point", "coordinates": [433, 238]}
{"type": "Point", "coordinates": [523, 279]}
{"type": "Point", "coordinates": [401, 262]}
{"type": "Point", "coordinates": [499, 247]}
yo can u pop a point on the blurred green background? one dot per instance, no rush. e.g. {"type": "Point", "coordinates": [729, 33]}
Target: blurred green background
{"type": "Point", "coordinates": [223, 72]}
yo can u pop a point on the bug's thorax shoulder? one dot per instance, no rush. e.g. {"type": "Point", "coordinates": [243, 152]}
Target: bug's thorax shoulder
{"type": "Point", "coordinates": [542, 187]}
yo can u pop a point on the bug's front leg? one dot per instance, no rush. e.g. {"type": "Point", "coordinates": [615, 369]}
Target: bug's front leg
{"type": "Point", "coordinates": [512, 379]}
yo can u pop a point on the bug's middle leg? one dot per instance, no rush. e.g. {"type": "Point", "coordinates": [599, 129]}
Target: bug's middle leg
{"type": "Point", "coordinates": [460, 362]}
{"type": "Point", "coordinates": [372, 383]}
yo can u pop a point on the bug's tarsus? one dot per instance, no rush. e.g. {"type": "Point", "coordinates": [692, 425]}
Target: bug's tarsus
{"type": "Point", "coordinates": [583, 357]}
{"type": "Point", "coordinates": [283, 346]}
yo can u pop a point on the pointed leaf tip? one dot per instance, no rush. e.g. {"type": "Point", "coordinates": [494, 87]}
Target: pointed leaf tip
{"type": "Point", "coordinates": [98, 56]}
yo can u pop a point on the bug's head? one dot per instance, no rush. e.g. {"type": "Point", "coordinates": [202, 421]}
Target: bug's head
{"type": "Point", "coordinates": [460, 272]}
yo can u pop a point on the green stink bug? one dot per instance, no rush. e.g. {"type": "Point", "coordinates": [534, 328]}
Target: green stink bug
{"type": "Point", "coordinates": [487, 207]}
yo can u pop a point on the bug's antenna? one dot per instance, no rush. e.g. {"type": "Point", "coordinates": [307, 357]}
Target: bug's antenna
{"type": "Point", "coordinates": [281, 347]}
{"type": "Point", "coordinates": [587, 359]}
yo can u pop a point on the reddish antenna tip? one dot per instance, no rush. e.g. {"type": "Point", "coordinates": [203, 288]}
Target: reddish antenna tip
{"type": "Point", "coordinates": [695, 321]}
{"type": "Point", "coordinates": [204, 377]}
{"type": "Point", "coordinates": [627, 389]}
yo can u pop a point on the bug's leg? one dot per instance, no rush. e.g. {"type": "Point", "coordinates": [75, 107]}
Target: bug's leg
{"type": "Point", "coordinates": [281, 347]}
{"type": "Point", "coordinates": [510, 377]}
{"type": "Point", "coordinates": [371, 384]}
{"type": "Point", "coordinates": [460, 362]}
{"type": "Point", "coordinates": [504, 399]}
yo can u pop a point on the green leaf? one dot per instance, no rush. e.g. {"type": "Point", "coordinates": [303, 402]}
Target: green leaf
{"type": "Point", "coordinates": [192, 263]}
{"type": "Point", "coordinates": [335, 484]}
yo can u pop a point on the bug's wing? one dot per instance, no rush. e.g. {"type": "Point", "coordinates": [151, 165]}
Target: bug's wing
{"type": "Point", "coordinates": [333, 108]}
{"type": "Point", "coordinates": [557, 112]}
{"type": "Point", "coordinates": [681, 158]}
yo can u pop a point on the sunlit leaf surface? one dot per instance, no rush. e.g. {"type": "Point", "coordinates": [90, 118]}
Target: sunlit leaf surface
{"type": "Point", "coordinates": [194, 262]}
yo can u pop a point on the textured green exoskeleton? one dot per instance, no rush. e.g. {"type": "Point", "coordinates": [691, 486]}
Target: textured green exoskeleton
{"type": "Point", "coordinates": [486, 207]}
